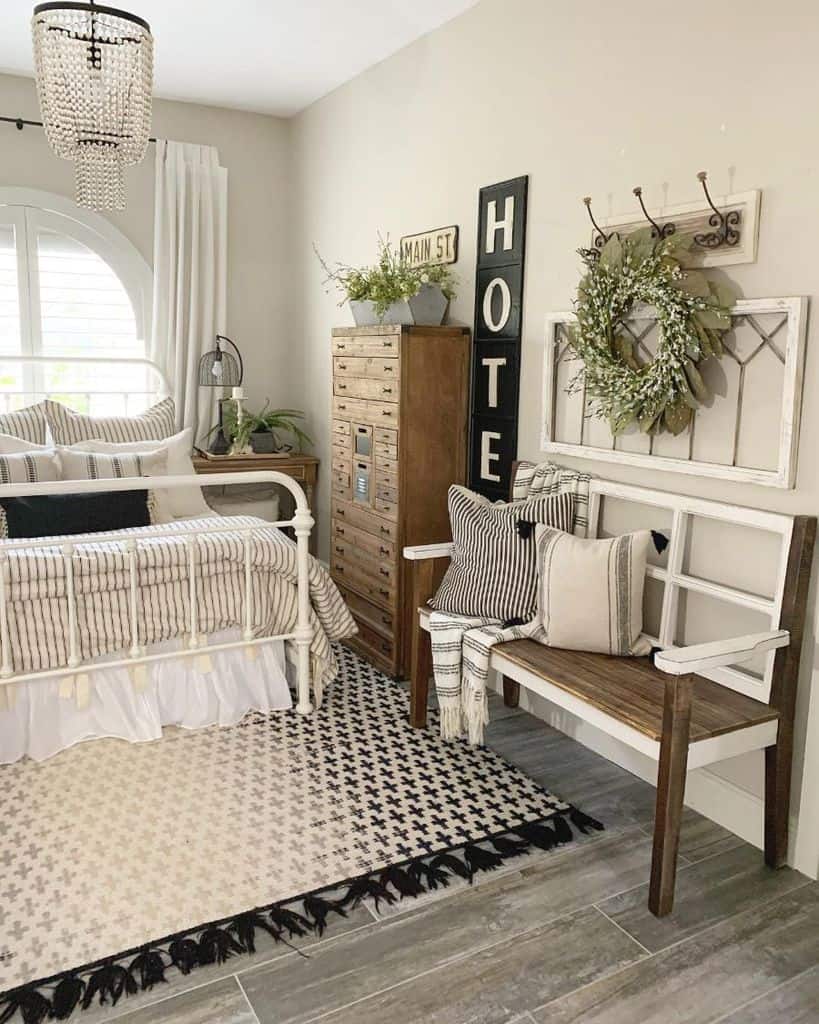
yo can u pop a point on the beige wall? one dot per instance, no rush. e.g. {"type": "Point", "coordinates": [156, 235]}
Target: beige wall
{"type": "Point", "coordinates": [254, 149]}
{"type": "Point", "coordinates": [589, 98]}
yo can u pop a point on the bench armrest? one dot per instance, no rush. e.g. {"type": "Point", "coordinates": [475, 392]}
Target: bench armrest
{"type": "Point", "coordinates": [680, 661]}
{"type": "Point", "coordinates": [421, 552]}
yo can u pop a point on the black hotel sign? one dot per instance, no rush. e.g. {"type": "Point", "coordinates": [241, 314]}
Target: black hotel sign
{"type": "Point", "coordinates": [496, 346]}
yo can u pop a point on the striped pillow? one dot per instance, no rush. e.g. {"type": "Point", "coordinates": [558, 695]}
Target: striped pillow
{"type": "Point", "coordinates": [28, 424]}
{"type": "Point", "coordinates": [69, 427]}
{"type": "Point", "coordinates": [590, 592]}
{"type": "Point", "coordinates": [29, 467]}
{"type": "Point", "coordinates": [493, 572]}
{"type": "Point", "coordinates": [97, 466]}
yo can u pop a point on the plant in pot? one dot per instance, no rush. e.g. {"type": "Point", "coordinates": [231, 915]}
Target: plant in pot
{"type": "Point", "coordinates": [392, 291]}
{"type": "Point", "coordinates": [260, 432]}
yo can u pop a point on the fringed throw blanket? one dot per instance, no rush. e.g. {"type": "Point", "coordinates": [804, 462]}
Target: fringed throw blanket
{"type": "Point", "coordinates": [38, 606]}
{"type": "Point", "coordinates": [461, 646]}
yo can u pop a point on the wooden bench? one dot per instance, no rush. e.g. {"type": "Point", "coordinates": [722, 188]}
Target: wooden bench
{"type": "Point", "coordinates": [691, 707]}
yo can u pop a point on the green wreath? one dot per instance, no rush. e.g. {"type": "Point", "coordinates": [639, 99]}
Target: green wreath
{"type": "Point", "coordinates": [691, 312]}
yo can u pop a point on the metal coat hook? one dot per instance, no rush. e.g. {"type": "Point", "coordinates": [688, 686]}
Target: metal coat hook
{"type": "Point", "coordinates": [601, 237]}
{"type": "Point", "coordinates": [657, 231]}
{"type": "Point", "coordinates": [724, 224]}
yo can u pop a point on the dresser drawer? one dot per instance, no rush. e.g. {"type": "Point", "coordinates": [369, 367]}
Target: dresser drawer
{"type": "Point", "coordinates": [378, 619]}
{"type": "Point", "coordinates": [363, 411]}
{"type": "Point", "coordinates": [386, 508]}
{"type": "Point", "coordinates": [386, 492]}
{"type": "Point", "coordinates": [387, 368]}
{"type": "Point", "coordinates": [373, 641]}
{"type": "Point", "coordinates": [347, 514]}
{"type": "Point", "coordinates": [369, 543]}
{"type": "Point", "coordinates": [341, 429]}
{"type": "Point", "coordinates": [341, 484]}
{"type": "Point", "coordinates": [366, 345]}
{"type": "Point", "coordinates": [381, 592]}
{"type": "Point", "coordinates": [341, 464]}
{"type": "Point", "coordinates": [342, 448]}
{"type": "Point", "coordinates": [386, 451]}
{"type": "Point", "coordinates": [386, 473]}
{"type": "Point", "coordinates": [364, 387]}
{"type": "Point", "coordinates": [377, 569]}
{"type": "Point", "coordinates": [386, 435]}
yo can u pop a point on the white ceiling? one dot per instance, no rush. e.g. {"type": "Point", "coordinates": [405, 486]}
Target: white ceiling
{"type": "Point", "coordinates": [271, 56]}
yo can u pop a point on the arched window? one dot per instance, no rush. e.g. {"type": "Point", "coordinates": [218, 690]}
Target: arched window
{"type": "Point", "coordinates": [75, 305]}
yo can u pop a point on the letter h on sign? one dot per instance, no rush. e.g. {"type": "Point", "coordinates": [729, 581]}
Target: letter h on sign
{"type": "Point", "coordinates": [496, 353]}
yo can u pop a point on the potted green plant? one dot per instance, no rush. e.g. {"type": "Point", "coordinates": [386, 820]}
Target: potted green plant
{"type": "Point", "coordinates": [260, 432]}
{"type": "Point", "coordinates": [392, 291]}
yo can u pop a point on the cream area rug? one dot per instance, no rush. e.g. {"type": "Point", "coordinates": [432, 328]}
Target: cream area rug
{"type": "Point", "coordinates": [120, 863]}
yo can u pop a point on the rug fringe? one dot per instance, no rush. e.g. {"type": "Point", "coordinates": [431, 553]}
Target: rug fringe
{"type": "Point", "coordinates": [141, 969]}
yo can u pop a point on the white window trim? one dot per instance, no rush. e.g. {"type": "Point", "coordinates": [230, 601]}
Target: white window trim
{"type": "Point", "coordinates": [103, 238]}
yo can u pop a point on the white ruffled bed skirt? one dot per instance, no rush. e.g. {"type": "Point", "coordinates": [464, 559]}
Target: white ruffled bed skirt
{"type": "Point", "coordinates": [38, 719]}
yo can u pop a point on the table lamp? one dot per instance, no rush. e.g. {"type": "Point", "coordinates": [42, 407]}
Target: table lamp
{"type": "Point", "coordinates": [219, 368]}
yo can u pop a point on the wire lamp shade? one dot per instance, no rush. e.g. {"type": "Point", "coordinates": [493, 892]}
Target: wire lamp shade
{"type": "Point", "coordinates": [94, 71]}
{"type": "Point", "coordinates": [220, 368]}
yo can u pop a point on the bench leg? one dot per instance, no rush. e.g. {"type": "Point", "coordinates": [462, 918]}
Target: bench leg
{"type": "Point", "coordinates": [778, 759]}
{"type": "Point", "coordinates": [421, 654]}
{"type": "Point", "coordinates": [670, 792]}
{"type": "Point", "coordinates": [511, 692]}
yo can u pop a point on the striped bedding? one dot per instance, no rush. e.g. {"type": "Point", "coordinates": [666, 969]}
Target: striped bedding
{"type": "Point", "coordinates": [38, 608]}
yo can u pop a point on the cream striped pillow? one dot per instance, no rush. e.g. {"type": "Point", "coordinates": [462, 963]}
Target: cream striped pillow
{"type": "Point", "coordinates": [29, 424]}
{"type": "Point", "coordinates": [69, 427]}
{"type": "Point", "coordinates": [590, 592]}
{"type": "Point", "coordinates": [29, 467]}
{"type": "Point", "coordinates": [98, 466]}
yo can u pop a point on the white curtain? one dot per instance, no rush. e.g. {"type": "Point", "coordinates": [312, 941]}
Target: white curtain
{"type": "Point", "coordinates": [190, 274]}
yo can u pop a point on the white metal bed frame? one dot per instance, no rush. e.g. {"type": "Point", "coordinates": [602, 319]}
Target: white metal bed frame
{"type": "Point", "coordinates": [302, 523]}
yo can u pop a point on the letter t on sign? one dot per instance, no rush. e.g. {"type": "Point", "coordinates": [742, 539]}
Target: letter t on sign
{"type": "Point", "coordinates": [493, 365]}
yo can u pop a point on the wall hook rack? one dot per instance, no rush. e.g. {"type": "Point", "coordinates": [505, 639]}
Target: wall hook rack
{"type": "Point", "coordinates": [725, 224]}
{"type": "Point", "coordinates": [657, 231]}
{"type": "Point", "coordinates": [601, 237]}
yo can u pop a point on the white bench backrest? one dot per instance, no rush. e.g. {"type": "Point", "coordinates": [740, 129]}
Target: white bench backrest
{"type": "Point", "coordinates": [676, 582]}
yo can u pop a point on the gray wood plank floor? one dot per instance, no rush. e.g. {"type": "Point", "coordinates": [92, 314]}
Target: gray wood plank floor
{"type": "Point", "coordinates": [554, 938]}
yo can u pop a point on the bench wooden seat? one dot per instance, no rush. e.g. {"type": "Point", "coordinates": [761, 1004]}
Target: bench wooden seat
{"type": "Point", "coordinates": [632, 690]}
{"type": "Point", "coordinates": [690, 707]}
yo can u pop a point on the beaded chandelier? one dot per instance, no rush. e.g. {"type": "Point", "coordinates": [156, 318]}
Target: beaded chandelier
{"type": "Point", "coordinates": [94, 69]}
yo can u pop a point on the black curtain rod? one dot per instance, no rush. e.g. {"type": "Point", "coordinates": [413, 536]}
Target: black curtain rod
{"type": "Point", "coordinates": [21, 123]}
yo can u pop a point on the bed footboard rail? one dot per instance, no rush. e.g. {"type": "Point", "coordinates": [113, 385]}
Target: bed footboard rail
{"type": "Point", "coordinates": [137, 653]}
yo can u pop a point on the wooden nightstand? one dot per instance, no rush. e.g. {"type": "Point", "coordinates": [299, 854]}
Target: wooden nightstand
{"type": "Point", "coordinates": [303, 468]}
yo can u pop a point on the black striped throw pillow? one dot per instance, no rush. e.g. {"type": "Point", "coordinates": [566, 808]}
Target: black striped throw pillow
{"type": "Point", "coordinates": [493, 572]}
{"type": "Point", "coordinates": [69, 427]}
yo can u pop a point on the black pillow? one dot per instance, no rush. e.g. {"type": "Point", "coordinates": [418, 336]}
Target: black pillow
{"type": "Point", "coordinates": [52, 515]}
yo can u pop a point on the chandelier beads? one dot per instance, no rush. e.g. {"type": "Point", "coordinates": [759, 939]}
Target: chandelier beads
{"type": "Point", "coordinates": [94, 70]}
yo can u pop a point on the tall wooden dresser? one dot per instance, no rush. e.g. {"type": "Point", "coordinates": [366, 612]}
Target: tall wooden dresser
{"type": "Point", "coordinates": [400, 414]}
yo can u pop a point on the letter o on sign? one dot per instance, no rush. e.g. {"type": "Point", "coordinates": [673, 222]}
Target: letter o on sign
{"type": "Point", "coordinates": [506, 304]}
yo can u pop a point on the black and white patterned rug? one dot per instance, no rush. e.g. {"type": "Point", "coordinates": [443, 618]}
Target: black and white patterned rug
{"type": "Point", "coordinates": [121, 862]}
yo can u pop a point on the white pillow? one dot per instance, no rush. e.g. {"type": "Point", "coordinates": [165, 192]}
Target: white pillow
{"type": "Point", "coordinates": [175, 503]}
{"type": "Point", "coordinates": [10, 445]}
{"type": "Point", "coordinates": [29, 467]}
{"type": "Point", "coordinates": [590, 592]}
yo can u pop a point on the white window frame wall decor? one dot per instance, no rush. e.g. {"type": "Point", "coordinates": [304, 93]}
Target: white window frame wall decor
{"type": "Point", "coordinates": [27, 211]}
{"type": "Point", "coordinates": [794, 331]}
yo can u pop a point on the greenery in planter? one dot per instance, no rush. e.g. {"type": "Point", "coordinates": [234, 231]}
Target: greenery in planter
{"type": "Point", "coordinates": [267, 421]}
{"type": "Point", "coordinates": [390, 280]}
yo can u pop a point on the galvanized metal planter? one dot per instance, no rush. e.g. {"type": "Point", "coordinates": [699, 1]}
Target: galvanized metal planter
{"type": "Point", "coordinates": [427, 308]}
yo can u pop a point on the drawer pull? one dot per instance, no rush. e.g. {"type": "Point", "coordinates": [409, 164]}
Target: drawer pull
{"type": "Point", "coordinates": [341, 512]}
{"type": "Point", "coordinates": [385, 572]}
{"type": "Point", "coordinates": [340, 530]}
{"type": "Point", "coordinates": [386, 620]}
{"type": "Point", "coordinates": [342, 407]}
{"type": "Point", "coordinates": [342, 366]}
{"type": "Point", "coordinates": [387, 344]}
{"type": "Point", "coordinates": [383, 592]}
{"type": "Point", "coordinates": [340, 347]}
{"type": "Point", "coordinates": [385, 648]}
{"type": "Point", "coordinates": [387, 391]}
{"type": "Point", "coordinates": [385, 529]}
{"type": "Point", "coordinates": [384, 551]}
{"type": "Point", "coordinates": [384, 412]}
{"type": "Point", "coordinates": [339, 568]}
{"type": "Point", "coordinates": [339, 550]}
{"type": "Point", "coordinates": [340, 386]}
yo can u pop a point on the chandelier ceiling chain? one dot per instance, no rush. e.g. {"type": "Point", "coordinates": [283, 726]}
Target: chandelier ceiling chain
{"type": "Point", "coordinates": [94, 71]}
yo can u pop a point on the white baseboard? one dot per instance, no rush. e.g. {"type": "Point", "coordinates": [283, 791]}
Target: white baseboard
{"type": "Point", "coordinates": [729, 805]}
